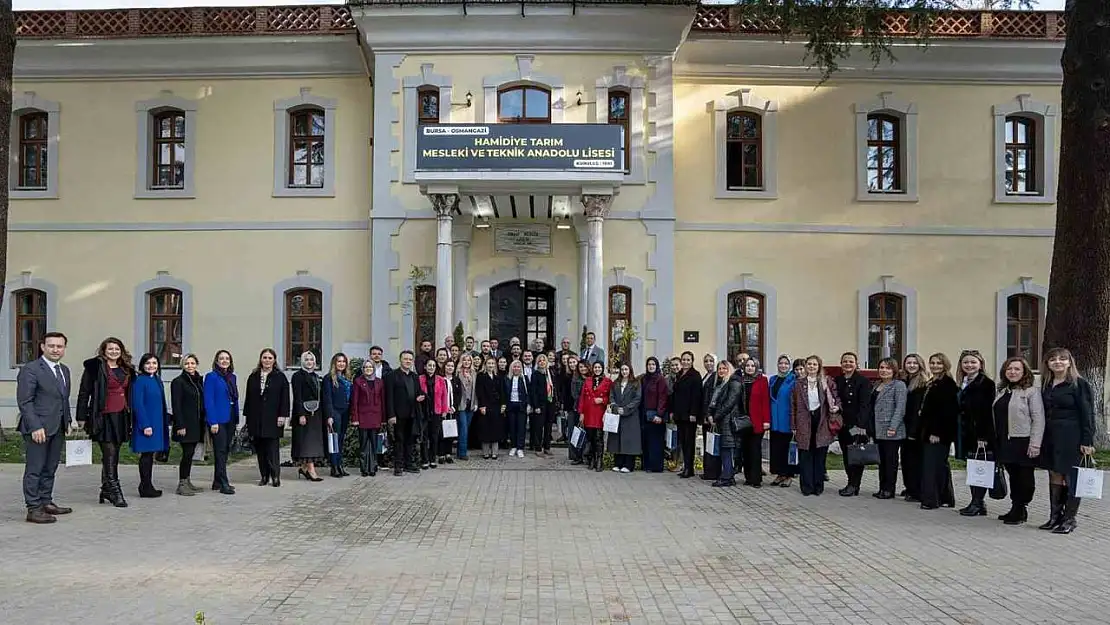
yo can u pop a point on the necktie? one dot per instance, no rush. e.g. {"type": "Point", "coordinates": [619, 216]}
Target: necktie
{"type": "Point", "coordinates": [58, 374]}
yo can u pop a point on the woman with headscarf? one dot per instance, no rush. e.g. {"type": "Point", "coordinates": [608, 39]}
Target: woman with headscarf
{"type": "Point", "coordinates": [710, 464]}
{"type": "Point", "coordinates": [653, 389]}
{"type": "Point", "coordinates": [309, 430]}
{"type": "Point", "coordinates": [779, 391]}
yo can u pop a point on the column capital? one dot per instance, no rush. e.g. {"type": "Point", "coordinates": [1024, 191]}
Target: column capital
{"type": "Point", "coordinates": [596, 206]}
{"type": "Point", "coordinates": [444, 203]}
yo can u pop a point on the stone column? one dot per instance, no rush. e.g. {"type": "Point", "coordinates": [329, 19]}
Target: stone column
{"type": "Point", "coordinates": [460, 271]}
{"type": "Point", "coordinates": [596, 208]}
{"type": "Point", "coordinates": [583, 282]}
{"type": "Point", "coordinates": [444, 204]}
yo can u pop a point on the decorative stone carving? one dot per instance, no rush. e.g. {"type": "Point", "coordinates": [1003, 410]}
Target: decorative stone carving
{"type": "Point", "coordinates": [444, 203]}
{"type": "Point", "coordinates": [596, 206]}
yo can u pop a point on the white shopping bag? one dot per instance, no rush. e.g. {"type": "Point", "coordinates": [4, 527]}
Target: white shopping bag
{"type": "Point", "coordinates": [612, 422]}
{"type": "Point", "coordinates": [713, 443]}
{"type": "Point", "coordinates": [78, 453]}
{"type": "Point", "coordinates": [333, 442]}
{"type": "Point", "coordinates": [450, 428]}
{"type": "Point", "coordinates": [285, 454]}
{"type": "Point", "coordinates": [672, 438]}
{"type": "Point", "coordinates": [198, 452]}
{"type": "Point", "coordinates": [1088, 481]}
{"type": "Point", "coordinates": [980, 473]}
{"type": "Point", "coordinates": [578, 438]}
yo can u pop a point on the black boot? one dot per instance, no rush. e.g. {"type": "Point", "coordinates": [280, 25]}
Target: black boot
{"type": "Point", "coordinates": [116, 495]}
{"type": "Point", "coordinates": [976, 507]}
{"type": "Point", "coordinates": [1057, 496]}
{"type": "Point", "coordinates": [1067, 524]}
{"type": "Point", "coordinates": [1017, 515]}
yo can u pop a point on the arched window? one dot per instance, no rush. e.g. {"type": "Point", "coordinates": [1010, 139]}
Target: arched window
{"type": "Point", "coordinates": [306, 148]}
{"type": "Point", "coordinates": [885, 328]}
{"type": "Point", "coordinates": [427, 102]}
{"type": "Point", "coordinates": [884, 153]}
{"type": "Point", "coordinates": [304, 324]}
{"type": "Point", "coordinates": [1023, 328]}
{"type": "Point", "coordinates": [619, 102]}
{"type": "Point", "coordinates": [746, 320]}
{"type": "Point", "coordinates": [34, 137]}
{"type": "Point", "coordinates": [168, 151]}
{"type": "Point", "coordinates": [524, 105]}
{"type": "Point", "coordinates": [424, 314]}
{"type": "Point", "coordinates": [1021, 152]}
{"type": "Point", "coordinates": [620, 317]}
{"type": "Point", "coordinates": [744, 156]}
{"type": "Point", "coordinates": [30, 324]}
{"type": "Point", "coordinates": [164, 324]}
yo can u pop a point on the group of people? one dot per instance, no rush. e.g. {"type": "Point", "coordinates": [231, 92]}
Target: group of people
{"type": "Point", "coordinates": [437, 403]}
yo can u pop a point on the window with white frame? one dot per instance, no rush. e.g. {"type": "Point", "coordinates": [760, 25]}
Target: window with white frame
{"type": "Point", "coordinates": [1024, 151]}
{"type": "Point", "coordinates": [621, 101]}
{"type": "Point", "coordinates": [1019, 321]}
{"type": "Point", "coordinates": [33, 172]}
{"type": "Point", "coordinates": [304, 146]}
{"type": "Point", "coordinates": [886, 150]}
{"type": "Point", "coordinates": [30, 310]}
{"type": "Point", "coordinates": [887, 321]}
{"type": "Point", "coordinates": [167, 148]}
{"type": "Point", "coordinates": [744, 133]}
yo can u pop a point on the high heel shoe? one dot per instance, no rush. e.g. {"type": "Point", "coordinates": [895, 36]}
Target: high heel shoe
{"type": "Point", "coordinates": [302, 473]}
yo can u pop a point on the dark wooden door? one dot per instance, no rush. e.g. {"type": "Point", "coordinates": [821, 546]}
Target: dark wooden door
{"type": "Point", "coordinates": [526, 312]}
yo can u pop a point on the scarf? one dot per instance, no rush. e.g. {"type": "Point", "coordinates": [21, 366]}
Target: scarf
{"type": "Point", "coordinates": [345, 384]}
{"type": "Point", "coordinates": [229, 379]}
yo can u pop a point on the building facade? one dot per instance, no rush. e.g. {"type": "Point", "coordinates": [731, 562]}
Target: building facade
{"type": "Point", "coordinates": [196, 179]}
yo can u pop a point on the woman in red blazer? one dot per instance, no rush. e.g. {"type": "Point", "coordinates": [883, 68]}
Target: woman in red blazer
{"type": "Point", "coordinates": [592, 405]}
{"type": "Point", "coordinates": [758, 396]}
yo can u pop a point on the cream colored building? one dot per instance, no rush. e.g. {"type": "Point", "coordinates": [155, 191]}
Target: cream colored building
{"type": "Point", "coordinates": [243, 178]}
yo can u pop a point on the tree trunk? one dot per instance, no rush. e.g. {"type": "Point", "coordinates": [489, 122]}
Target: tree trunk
{"type": "Point", "coordinates": [7, 55]}
{"type": "Point", "coordinates": [1078, 315]}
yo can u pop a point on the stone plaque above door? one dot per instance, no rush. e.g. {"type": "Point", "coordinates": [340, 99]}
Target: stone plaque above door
{"type": "Point", "coordinates": [522, 240]}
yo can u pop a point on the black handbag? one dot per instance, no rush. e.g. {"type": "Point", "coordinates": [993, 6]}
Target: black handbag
{"type": "Point", "coordinates": [861, 454]}
{"type": "Point", "coordinates": [999, 490]}
{"type": "Point", "coordinates": [741, 422]}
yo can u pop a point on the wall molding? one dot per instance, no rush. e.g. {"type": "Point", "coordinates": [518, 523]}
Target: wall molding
{"type": "Point", "coordinates": [22, 104]}
{"type": "Point", "coordinates": [887, 284]}
{"type": "Point", "coordinates": [1023, 286]}
{"type": "Point", "coordinates": [282, 110]}
{"type": "Point", "coordinates": [660, 137]}
{"type": "Point", "coordinates": [522, 75]}
{"type": "Point", "coordinates": [1044, 144]}
{"type": "Point", "coordinates": [636, 286]}
{"type": "Point", "coordinates": [26, 280]}
{"type": "Point", "coordinates": [303, 281]}
{"type": "Point", "coordinates": [564, 294]}
{"type": "Point", "coordinates": [383, 296]}
{"type": "Point", "coordinates": [746, 282]}
{"type": "Point", "coordinates": [142, 317]}
{"type": "Point", "coordinates": [661, 297]}
{"type": "Point", "coordinates": [187, 226]}
{"type": "Point", "coordinates": [767, 110]}
{"type": "Point", "coordinates": [796, 228]}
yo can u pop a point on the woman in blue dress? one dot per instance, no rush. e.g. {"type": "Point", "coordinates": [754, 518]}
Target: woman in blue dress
{"type": "Point", "coordinates": [150, 429]}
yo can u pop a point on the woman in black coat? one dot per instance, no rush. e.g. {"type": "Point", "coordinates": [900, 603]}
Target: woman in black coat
{"type": "Point", "coordinates": [266, 409]}
{"type": "Point", "coordinates": [936, 428]}
{"type": "Point", "coordinates": [687, 407]}
{"type": "Point", "coordinates": [104, 407]}
{"type": "Point", "coordinates": [976, 433]}
{"type": "Point", "coordinates": [487, 399]}
{"type": "Point", "coordinates": [309, 429]}
{"type": "Point", "coordinates": [188, 424]}
{"type": "Point", "coordinates": [1068, 434]}
{"type": "Point", "coordinates": [914, 374]}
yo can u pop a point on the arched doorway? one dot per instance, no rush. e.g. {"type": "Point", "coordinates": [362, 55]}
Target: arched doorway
{"type": "Point", "coordinates": [522, 309]}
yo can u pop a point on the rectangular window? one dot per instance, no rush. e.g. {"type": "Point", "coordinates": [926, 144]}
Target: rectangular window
{"type": "Point", "coordinates": [745, 325]}
{"type": "Point", "coordinates": [424, 314]}
{"type": "Point", "coordinates": [428, 101]}
{"type": "Point", "coordinates": [306, 148]}
{"type": "Point", "coordinates": [524, 105]}
{"type": "Point", "coordinates": [164, 324]}
{"type": "Point", "coordinates": [744, 154]}
{"type": "Point", "coordinates": [1021, 151]}
{"type": "Point", "coordinates": [33, 139]}
{"type": "Point", "coordinates": [168, 154]}
{"type": "Point", "coordinates": [885, 323]}
{"type": "Point", "coordinates": [304, 325]}
{"type": "Point", "coordinates": [30, 324]}
{"type": "Point", "coordinates": [620, 319]}
{"type": "Point", "coordinates": [1023, 328]}
{"type": "Point", "coordinates": [619, 101]}
{"type": "Point", "coordinates": [884, 153]}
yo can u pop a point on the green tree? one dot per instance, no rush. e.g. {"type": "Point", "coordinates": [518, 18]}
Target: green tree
{"type": "Point", "coordinates": [1078, 315]}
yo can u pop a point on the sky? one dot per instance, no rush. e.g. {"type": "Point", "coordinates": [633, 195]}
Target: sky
{"type": "Point", "coordinates": [25, 5]}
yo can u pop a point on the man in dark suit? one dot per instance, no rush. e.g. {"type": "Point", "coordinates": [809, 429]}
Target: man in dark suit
{"type": "Point", "coordinates": [593, 353]}
{"type": "Point", "coordinates": [42, 393]}
{"type": "Point", "coordinates": [382, 371]}
{"type": "Point", "coordinates": [402, 396]}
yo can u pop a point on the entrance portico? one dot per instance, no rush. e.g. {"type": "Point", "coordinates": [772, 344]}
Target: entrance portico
{"type": "Point", "coordinates": [463, 204]}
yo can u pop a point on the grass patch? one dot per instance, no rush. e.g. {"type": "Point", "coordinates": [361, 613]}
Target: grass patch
{"type": "Point", "coordinates": [11, 451]}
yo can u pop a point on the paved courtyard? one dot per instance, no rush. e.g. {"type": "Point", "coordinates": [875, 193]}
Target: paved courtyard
{"type": "Point", "coordinates": [534, 541]}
